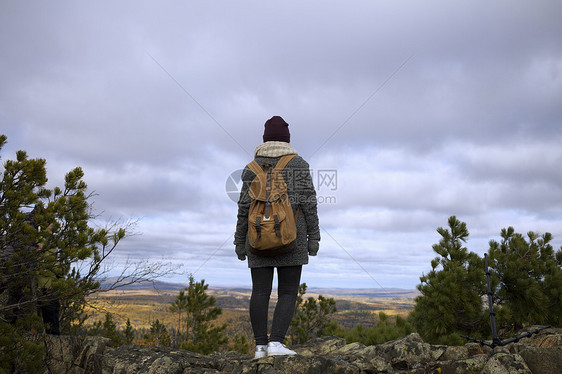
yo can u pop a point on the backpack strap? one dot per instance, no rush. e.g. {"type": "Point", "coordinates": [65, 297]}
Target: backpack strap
{"type": "Point", "coordinates": [255, 167]}
{"type": "Point", "coordinates": [258, 181]}
{"type": "Point", "coordinates": [281, 165]}
{"type": "Point", "coordinates": [284, 160]}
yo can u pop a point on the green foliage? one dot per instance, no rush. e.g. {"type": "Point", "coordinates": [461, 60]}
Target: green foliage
{"type": "Point", "coordinates": [451, 300]}
{"type": "Point", "coordinates": [48, 252]}
{"type": "Point", "coordinates": [383, 331]}
{"type": "Point", "coordinates": [47, 248]}
{"type": "Point", "coordinates": [19, 354]}
{"type": "Point", "coordinates": [239, 333]}
{"type": "Point", "coordinates": [199, 334]}
{"type": "Point", "coordinates": [107, 329]}
{"type": "Point", "coordinates": [128, 333]}
{"type": "Point", "coordinates": [180, 306]}
{"type": "Point", "coordinates": [158, 335]}
{"type": "Point", "coordinates": [240, 344]}
{"type": "Point", "coordinates": [527, 276]}
{"type": "Point", "coordinates": [526, 281]}
{"type": "Point", "coordinates": [311, 317]}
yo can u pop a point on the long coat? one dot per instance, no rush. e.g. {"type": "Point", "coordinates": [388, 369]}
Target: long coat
{"type": "Point", "coordinates": [302, 195]}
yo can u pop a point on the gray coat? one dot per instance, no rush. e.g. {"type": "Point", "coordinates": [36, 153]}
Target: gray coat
{"type": "Point", "coordinates": [302, 196]}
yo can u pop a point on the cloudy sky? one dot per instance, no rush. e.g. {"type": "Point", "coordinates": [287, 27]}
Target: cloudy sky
{"type": "Point", "coordinates": [408, 112]}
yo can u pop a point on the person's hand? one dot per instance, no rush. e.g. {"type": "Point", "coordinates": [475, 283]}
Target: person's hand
{"type": "Point", "coordinates": [241, 251]}
{"type": "Point", "coordinates": [313, 246]}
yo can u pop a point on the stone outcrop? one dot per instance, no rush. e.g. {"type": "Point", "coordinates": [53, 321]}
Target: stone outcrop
{"type": "Point", "coordinates": [538, 354]}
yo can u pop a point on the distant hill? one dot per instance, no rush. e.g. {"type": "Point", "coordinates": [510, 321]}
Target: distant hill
{"type": "Point", "coordinates": [365, 292]}
{"type": "Point", "coordinates": [335, 292]}
{"type": "Point", "coordinates": [155, 285]}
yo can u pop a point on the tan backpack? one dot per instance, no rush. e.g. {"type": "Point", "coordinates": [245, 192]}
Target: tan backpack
{"type": "Point", "coordinates": [272, 228]}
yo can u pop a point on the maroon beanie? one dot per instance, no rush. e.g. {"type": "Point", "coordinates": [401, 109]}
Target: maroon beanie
{"type": "Point", "coordinates": [276, 129]}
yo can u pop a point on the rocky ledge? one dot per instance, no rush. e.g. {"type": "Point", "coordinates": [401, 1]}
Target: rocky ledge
{"type": "Point", "coordinates": [538, 354]}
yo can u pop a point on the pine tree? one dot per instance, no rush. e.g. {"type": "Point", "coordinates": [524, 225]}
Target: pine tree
{"type": "Point", "coordinates": [107, 329]}
{"type": "Point", "coordinates": [48, 251]}
{"type": "Point", "coordinates": [382, 331]}
{"type": "Point", "coordinates": [158, 335]}
{"type": "Point", "coordinates": [451, 301]}
{"type": "Point", "coordinates": [240, 344]}
{"type": "Point", "coordinates": [21, 353]}
{"type": "Point", "coordinates": [128, 332]}
{"type": "Point", "coordinates": [180, 306]}
{"type": "Point", "coordinates": [528, 278]}
{"type": "Point", "coordinates": [200, 334]}
{"type": "Point", "coordinates": [311, 317]}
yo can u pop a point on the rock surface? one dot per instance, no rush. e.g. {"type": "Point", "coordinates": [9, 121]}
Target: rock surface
{"type": "Point", "coordinates": [539, 354]}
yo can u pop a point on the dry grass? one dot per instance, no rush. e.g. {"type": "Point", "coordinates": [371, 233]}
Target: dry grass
{"type": "Point", "coordinates": [143, 307]}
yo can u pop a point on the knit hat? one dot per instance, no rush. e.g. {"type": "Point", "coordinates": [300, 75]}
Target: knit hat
{"type": "Point", "coordinates": [276, 129]}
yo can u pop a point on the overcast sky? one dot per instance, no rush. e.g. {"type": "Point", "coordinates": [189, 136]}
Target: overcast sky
{"type": "Point", "coordinates": [407, 111]}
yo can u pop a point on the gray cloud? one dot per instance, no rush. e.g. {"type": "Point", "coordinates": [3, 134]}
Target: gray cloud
{"type": "Point", "coordinates": [425, 110]}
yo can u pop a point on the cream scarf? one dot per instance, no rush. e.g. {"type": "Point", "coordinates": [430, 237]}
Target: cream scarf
{"type": "Point", "coordinates": [274, 149]}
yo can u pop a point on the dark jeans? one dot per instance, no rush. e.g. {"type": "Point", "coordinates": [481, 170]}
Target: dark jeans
{"type": "Point", "coordinates": [287, 290]}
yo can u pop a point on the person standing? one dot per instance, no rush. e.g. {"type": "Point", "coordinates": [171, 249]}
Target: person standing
{"type": "Point", "coordinates": [301, 194]}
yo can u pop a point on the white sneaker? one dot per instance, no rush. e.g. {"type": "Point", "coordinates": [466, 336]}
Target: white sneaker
{"type": "Point", "coordinates": [278, 349]}
{"type": "Point", "coordinates": [261, 351]}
